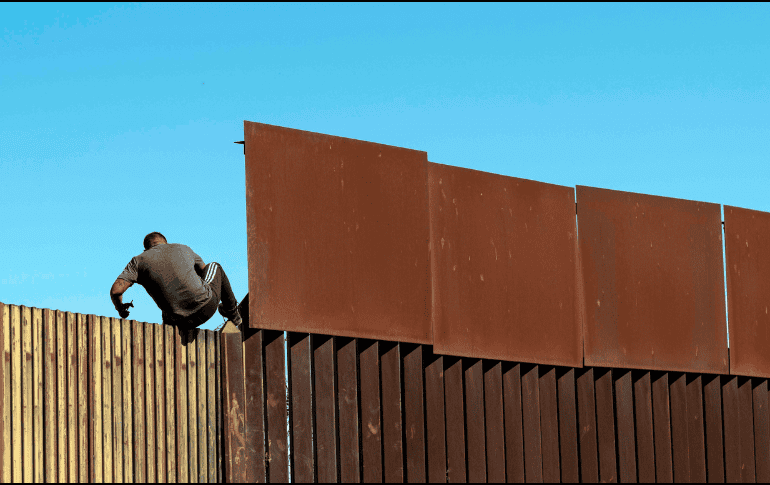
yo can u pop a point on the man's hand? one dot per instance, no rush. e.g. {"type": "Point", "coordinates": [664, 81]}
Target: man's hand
{"type": "Point", "coordinates": [123, 310]}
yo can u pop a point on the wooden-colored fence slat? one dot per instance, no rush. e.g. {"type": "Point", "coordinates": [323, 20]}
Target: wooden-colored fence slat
{"type": "Point", "coordinates": [586, 400]}
{"type": "Point", "coordinates": [218, 343]}
{"type": "Point", "coordinates": [644, 429]}
{"type": "Point", "coordinates": [83, 372]}
{"type": "Point", "coordinates": [192, 409]}
{"type": "Point", "coordinates": [624, 412]}
{"type": "Point", "coordinates": [180, 399]}
{"type": "Point", "coordinates": [514, 432]}
{"type": "Point", "coordinates": [254, 388]}
{"type": "Point", "coordinates": [455, 420]}
{"type": "Point", "coordinates": [474, 421]}
{"type": "Point", "coordinates": [211, 398]}
{"type": "Point", "coordinates": [203, 465]}
{"type": "Point", "coordinates": [493, 415]}
{"type": "Point", "coordinates": [128, 400]}
{"type": "Point", "coordinates": [28, 453]}
{"type": "Point", "coordinates": [15, 394]}
{"type": "Point", "coordinates": [746, 424]}
{"type": "Point", "coordinates": [5, 399]}
{"type": "Point", "coordinates": [549, 424]}
{"type": "Point", "coordinates": [414, 415]}
{"type": "Point", "coordinates": [712, 406]}
{"type": "Point", "coordinates": [234, 405]}
{"type": "Point", "coordinates": [605, 426]}
{"type": "Point", "coordinates": [530, 400]}
{"type": "Point", "coordinates": [661, 418]}
{"type": "Point", "coordinates": [38, 398]}
{"type": "Point", "coordinates": [679, 424]}
{"type": "Point", "coordinates": [72, 396]}
{"type": "Point", "coordinates": [324, 356]}
{"type": "Point", "coordinates": [149, 396]}
{"type": "Point", "coordinates": [347, 404]}
{"type": "Point", "coordinates": [107, 428]}
{"type": "Point", "coordinates": [169, 348]}
{"type": "Point", "coordinates": [61, 388]}
{"type": "Point", "coordinates": [695, 436]}
{"type": "Point", "coordinates": [371, 432]}
{"type": "Point", "coordinates": [95, 398]}
{"type": "Point", "coordinates": [761, 430]}
{"type": "Point", "coordinates": [117, 399]}
{"type": "Point", "coordinates": [434, 417]}
{"type": "Point", "coordinates": [568, 441]}
{"type": "Point", "coordinates": [160, 404]}
{"type": "Point", "coordinates": [49, 372]}
{"type": "Point", "coordinates": [392, 444]}
{"type": "Point", "coordinates": [138, 374]}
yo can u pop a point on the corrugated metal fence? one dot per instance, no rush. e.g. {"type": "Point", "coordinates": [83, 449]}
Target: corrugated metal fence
{"type": "Point", "coordinates": [373, 410]}
{"type": "Point", "coordinates": [97, 399]}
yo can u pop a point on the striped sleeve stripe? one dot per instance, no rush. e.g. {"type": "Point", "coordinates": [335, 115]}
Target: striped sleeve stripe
{"type": "Point", "coordinates": [211, 272]}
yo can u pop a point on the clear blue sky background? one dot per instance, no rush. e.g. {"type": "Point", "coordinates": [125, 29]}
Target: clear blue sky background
{"type": "Point", "coordinates": [118, 120]}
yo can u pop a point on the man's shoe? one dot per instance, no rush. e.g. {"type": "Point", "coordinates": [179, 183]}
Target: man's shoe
{"type": "Point", "coordinates": [237, 320]}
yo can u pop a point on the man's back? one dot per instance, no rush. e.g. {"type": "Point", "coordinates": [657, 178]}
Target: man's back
{"type": "Point", "coordinates": [167, 272]}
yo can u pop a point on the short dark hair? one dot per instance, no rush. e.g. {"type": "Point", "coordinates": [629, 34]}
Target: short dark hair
{"type": "Point", "coordinates": [153, 238]}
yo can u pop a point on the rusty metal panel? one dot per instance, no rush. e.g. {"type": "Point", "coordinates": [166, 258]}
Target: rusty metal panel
{"type": "Point", "coordinates": [324, 355]}
{"type": "Point", "coordinates": [530, 401]}
{"type": "Point", "coordinates": [549, 425]}
{"type": "Point", "coordinates": [49, 371]}
{"type": "Point", "coordinates": [337, 235]}
{"type": "Point", "coordinates": [493, 420]}
{"type": "Point", "coordinates": [679, 432]}
{"type": "Point", "coordinates": [233, 408]}
{"type": "Point", "coordinates": [455, 420]}
{"type": "Point", "coordinates": [712, 406]}
{"type": "Point", "coordinates": [624, 412]}
{"type": "Point", "coordinates": [653, 282]}
{"type": "Point", "coordinates": [254, 389]}
{"type": "Point", "coordinates": [275, 385]}
{"type": "Point", "coordinates": [392, 443]}
{"type": "Point", "coordinates": [746, 424]}
{"type": "Point", "coordinates": [435, 427]}
{"type": "Point", "coordinates": [747, 250]}
{"type": "Point", "coordinates": [761, 430]}
{"type": "Point", "coordinates": [732, 430]}
{"type": "Point", "coordinates": [301, 417]}
{"type": "Point", "coordinates": [514, 433]}
{"type": "Point", "coordinates": [503, 265]}
{"type": "Point", "coordinates": [137, 371]}
{"type": "Point", "coordinates": [180, 398]}
{"type": "Point", "coordinates": [568, 442]}
{"type": "Point", "coordinates": [644, 430]}
{"type": "Point", "coordinates": [414, 413]}
{"type": "Point", "coordinates": [474, 421]}
{"type": "Point", "coordinates": [605, 426]}
{"type": "Point", "coordinates": [586, 401]}
{"type": "Point", "coordinates": [696, 440]}
{"type": "Point", "coordinates": [661, 418]}
{"type": "Point", "coordinates": [347, 404]}
{"type": "Point", "coordinates": [371, 429]}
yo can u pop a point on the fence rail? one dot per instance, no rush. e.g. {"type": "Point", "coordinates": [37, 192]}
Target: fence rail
{"type": "Point", "coordinates": [96, 399]}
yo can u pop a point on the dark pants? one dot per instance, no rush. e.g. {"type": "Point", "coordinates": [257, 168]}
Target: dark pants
{"type": "Point", "coordinates": [215, 277]}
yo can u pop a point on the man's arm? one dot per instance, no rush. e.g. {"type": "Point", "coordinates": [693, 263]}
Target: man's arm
{"type": "Point", "coordinates": [116, 294]}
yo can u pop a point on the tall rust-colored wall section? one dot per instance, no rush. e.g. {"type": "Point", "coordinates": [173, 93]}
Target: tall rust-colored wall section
{"type": "Point", "coordinates": [97, 399]}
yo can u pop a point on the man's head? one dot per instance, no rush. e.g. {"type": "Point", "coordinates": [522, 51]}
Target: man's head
{"type": "Point", "coordinates": [153, 239]}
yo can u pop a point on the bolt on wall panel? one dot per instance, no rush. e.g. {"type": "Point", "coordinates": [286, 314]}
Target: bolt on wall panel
{"type": "Point", "coordinates": [747, 248]}
{"type": "Point", "coordinates": [503, 256]}
{"type": "Point", "coordinates": [337, 235]}
{"type": "Point", "coordinates": [653, 282]}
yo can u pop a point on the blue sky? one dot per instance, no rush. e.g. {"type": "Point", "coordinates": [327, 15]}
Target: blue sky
{"type": "Point", "coordinates": [118, 120]}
